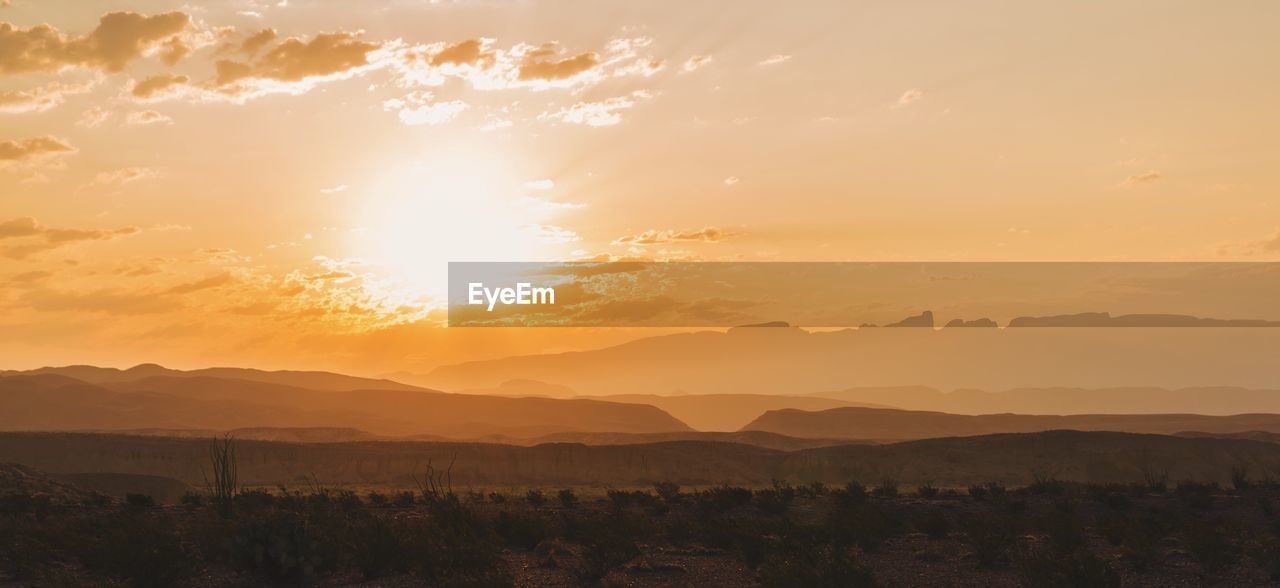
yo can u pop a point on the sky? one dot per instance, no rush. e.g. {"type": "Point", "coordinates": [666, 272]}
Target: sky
{"type": "Point", "coordinates": [281, 183]}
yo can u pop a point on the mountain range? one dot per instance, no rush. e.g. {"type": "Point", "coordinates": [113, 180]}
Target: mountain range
{"type": "Point", "coordinates": [897, 425]}
{"type": "Point", "coordinates": [794, 361]}
{"type": "Point", "coordinates": [49, 400]}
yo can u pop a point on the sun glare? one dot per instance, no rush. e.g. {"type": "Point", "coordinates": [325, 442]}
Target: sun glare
{"type": "Point", "coordinates": [417, 218]}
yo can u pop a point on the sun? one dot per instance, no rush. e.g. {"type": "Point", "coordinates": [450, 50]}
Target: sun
{"type": "Point", "coordinates": [416, 218]}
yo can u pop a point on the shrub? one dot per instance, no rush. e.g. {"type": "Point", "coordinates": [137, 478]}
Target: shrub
{"type": "Point", "coordinates": [192, 500]}
{"type": "Point", "coordinates": [376, 498]}
{"type": "Point", "coordinates": [987, 491]}
{"type": "Point", "coordinates": [609, 539]}
{"type": "Point", "coordinates": [722, 498]}
{"type": "Point", "coordinates": [927, 491]}
{"type": "Point", "coordinates": [405, 499]}
{"type": "Point", "coordinates": [775, 500]}
{"type": "Point", "coordinates": [567, 498]}
{"type": "Point", "coordinates": [621, 499]}
{"type": "Point", "coordinates": [1045, 484]}
{"type": "Point", "coordinates": [1240, 477]}
{"type": "Point", "coordinates": [853, 494]}
{"type": "Point", "coordinates": [139, 501]}
{"type": "Point", "coordinates": [140, 547]}
{"type": "Point", "coordinates": [257, 500]}
{"type": "Point", "coordinates": [279, 546]}
{"type": "Point", "coordinates": [887, 488]}
{"type": "Point", "coordinates": [377, 547]}
{"type": "Point", "coordinates": [521, 529]}
{"type": "Point", "coordinates": [535, 497]}
{"type": "Point", "coordinates": [667, 491]}
{"type": "Point", "coordinates": [866, 526]}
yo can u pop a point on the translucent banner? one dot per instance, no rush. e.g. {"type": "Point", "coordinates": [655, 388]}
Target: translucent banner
{"type": "Point", "coordinates": [864, 294]}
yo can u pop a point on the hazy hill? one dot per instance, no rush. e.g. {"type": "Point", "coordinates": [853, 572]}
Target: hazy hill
{"type": "Point", "coordinates": [794, 361]}
{"type": "Point", "coordinates": [1266, 436]}
{"type": "Point", "coordinates": [1011, 458]}
{"type": "Point", "coordinates": [53, 402]}
{"type": "Point", "coordinates": [726, 412]}
{"type": "Point", "coordinates": [310, 380]}
{"type": "Point", "coordinates": [753, 438]}
{"type": "Point", "coordinates": [1219, 400]}
{"type": "Point", "coordinates": [526, 388]}
{"type": "Point", "coordinates": [1105, 319]}
{"type": "Point", "coordinates": [889, 424]}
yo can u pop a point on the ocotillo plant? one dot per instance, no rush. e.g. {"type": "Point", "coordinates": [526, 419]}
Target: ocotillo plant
{"type": "Point", "coordinates": [222, 487]}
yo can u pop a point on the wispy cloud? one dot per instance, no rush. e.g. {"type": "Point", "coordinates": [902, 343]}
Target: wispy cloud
{"type": "Point", "coordinates": [1140, 179]}
{"type": "Point", "coordinates": [656, 237]}
{"type": "Point", "coordinates": [908, 98]}
{"type": "Point", "coordinates": [598, 114]}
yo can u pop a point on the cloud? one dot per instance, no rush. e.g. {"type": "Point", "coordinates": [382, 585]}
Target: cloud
{"type": "Point", "coordinates": [334, 189]}
{"type": "Point", "coordinates": [157, 85]}
{"type": "Point", "coordinates": [535, 67]}
{"type": "Point", "coordinates": [216, 281]}
{"type": "Point", "coordinates": [19, 227]}
{"type": "Point", "coordinates": [174, 50]}
{"type": "Point", "coordinates": [1138, 179]}
{"type": "Point", "coordinates": [29, 278]}
{"type": "Point", "coordinates": [554, 233]}
{"type": "Point", "coordinates": [695, 62]}
{"type": "Point", "coordinates": [417, 109]}
{"type": "Point", "coordinates": [119, 38]}
{"type": "Point", "coordinates": [908, 98]}
{"type": "Point", "coordinates": [654, 237]}
{"type": "Point", "coordinates": [598, 114]}
{"type": "Point", "coordinates": [252, 45]}
{"type": "Point", "coordinates": [295, 65]}
{"type": "Point", "coordinates": [92, 117]}
{"type": "Point", "coordinates": [111, 301]}
{"type": "Point", "coordinates": [542, 208]}
{"type": "Point", "coordinates": [731, 180]}
{"type": "Point", "coordinates": [775, 60]}
{"type": "Point", "coordinates": [33, 150]}
{"type": "Point", "coordinates": [539, 185]}
{"type": "Point", "coordinates": [146, 117]}
{"type": "Point", "coordinates": [543, 64]}
{"type": "Point", "coordinates": [35, 238]}
{"type": "Point", "coordinates": [122, 176]}
{"type": "Point", "coordinates": [39, 99]}
{"type": "Point", "coordinates": [469, 52]}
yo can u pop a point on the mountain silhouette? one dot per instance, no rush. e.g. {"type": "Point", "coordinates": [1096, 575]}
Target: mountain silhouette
{"type": "Point", "coordinates": [54, 402]}
{"type": "Point", "coordinates": [890, 424]}
{"type": "Point", "coordinates": [794, 361]}
{"type": "Point", "coordinates": [303, 379]}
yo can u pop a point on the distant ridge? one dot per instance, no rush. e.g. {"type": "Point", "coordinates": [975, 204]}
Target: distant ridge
{"type": "Point", "coordinates": [1014, 459]}
{"type": "Point", "coordinates": [54, 402]}
{"type": "Point", "coordinates": [1104, 319]}
{"type": "Point", "coordinates": [312, 380]}
{"type": "Point", "coordinates": [895, 425]}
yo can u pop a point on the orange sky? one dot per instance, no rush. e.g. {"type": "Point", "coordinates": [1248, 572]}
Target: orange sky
{"type": "Point", "coordinates": [280, 183]}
